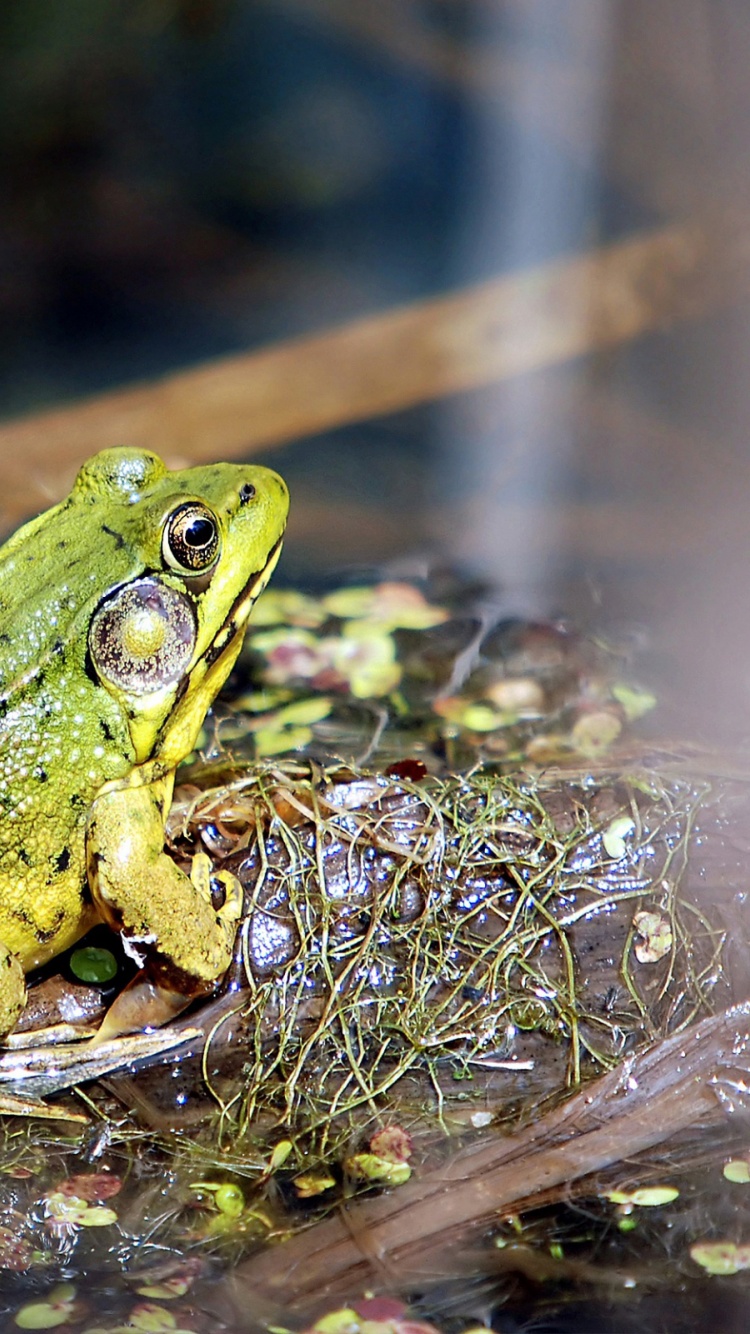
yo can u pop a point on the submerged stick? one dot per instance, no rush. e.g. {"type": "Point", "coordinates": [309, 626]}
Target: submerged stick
{"type": "Point", "coordinates": [397, 1238]}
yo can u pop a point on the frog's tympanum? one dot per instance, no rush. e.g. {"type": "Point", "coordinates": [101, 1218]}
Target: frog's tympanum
{"type": "Point", "coordinates": [122, 611]}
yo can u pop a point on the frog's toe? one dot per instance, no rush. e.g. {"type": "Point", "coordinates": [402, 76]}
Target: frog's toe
{"type": "Point", "coordinates": [200, 874]}
{"type": "Point", "coordinates": [204, 877]}
{"type": "Point", "coordinates": [231, 909]}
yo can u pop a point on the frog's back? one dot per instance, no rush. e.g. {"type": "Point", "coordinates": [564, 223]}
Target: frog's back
{"type": "Point", "coordinates": [49, 584]}
{"type": "Point", "coordinates": [61, 735]}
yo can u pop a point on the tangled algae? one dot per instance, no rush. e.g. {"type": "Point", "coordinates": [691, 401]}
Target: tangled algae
{"type": "Point", "coordinates": [529, 930]}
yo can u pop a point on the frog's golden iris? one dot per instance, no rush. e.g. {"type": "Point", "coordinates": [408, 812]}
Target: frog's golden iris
{"type": "Point", "coordinates": [191, 539]}
{"type": "Point", "coordinates": [122, 611]}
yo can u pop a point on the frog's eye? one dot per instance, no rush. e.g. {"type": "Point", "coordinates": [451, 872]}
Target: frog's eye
{"type": "Point", "coordinates": [191, 539]}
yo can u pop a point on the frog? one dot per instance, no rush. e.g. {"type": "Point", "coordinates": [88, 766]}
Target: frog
{"type": "Point", "coordinates": [122, 611]}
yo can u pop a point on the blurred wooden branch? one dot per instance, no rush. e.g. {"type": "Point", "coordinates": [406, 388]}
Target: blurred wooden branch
{"type": "Point", "coordinates": [497, 329]}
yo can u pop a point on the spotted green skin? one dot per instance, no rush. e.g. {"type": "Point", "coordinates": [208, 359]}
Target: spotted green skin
{"type": "Point", "coordinates": [86, 769]}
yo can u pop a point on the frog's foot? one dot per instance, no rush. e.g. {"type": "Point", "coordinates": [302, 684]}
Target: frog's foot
{"type": "Point", "coordinates": [145, 1002]}
{"type": "Point", "coordinates": [164, 916]}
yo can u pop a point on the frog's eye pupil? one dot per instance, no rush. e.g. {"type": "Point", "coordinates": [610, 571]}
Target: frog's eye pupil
{"type": "Point", "coordinates": [191, 539]}
{"type": "Point", "coordinates": [200, 533]}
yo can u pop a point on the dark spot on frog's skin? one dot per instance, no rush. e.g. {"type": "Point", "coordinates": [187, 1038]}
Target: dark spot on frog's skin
{"type": "Point", "coordinates": [215, 650]}
{"type": "Point", "coordinates": [58, 646]}
{"type": "Point", "coordinates": [49, 934]}
{"type": "Point", "coordinates": [90, 669]}
{"type": "Point", "coordinates": [77, 802]}
{"type": "Point", "coordinates": [24, 857]}
{"type": "Point", "coordinates": [4, 639]}
{"type": "Point", "coordinates": [40, 775]}
{"type": "Point", "coordinates": [62, 861]}
{"type": "Point", "coordinates": [119, 539]}
{"type": "Point", "coordinates": [106, 730]}
{"type": "Point", "coordinates": [62, 544]}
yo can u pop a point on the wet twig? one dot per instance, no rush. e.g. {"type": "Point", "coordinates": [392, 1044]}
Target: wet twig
{"type": "Point", "coordinates": [397, 1238]}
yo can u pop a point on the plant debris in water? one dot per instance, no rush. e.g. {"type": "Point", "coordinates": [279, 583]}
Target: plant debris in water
{"type": "Point", "coordinates": [390, 670]}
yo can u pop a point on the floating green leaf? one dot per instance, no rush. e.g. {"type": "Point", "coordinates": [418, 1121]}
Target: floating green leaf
{"type": "Point", "coordinates": [647, 1197]}
{"type": "Point", "coordinates": [633, 700]}
{"type": "Point", "coordinates": [738, 1171]}
{"type": "Point", "coordinates": [57, 1309]}
{"type": "Point", "coordinates": [374, 1168]}
{"type": "Point", "coordinates": [614, 836]}
{"type": "Point", "coordinates": [91, 964]}
{"type": "Point", "coordinates": [721, 1257]}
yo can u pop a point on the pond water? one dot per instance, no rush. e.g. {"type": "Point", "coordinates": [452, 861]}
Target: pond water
{"type": "Point", "coordinates": [185, 180]}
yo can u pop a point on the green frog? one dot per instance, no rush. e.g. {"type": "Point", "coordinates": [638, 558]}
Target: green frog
{"type": "Point", "coordinates": [122, 611]}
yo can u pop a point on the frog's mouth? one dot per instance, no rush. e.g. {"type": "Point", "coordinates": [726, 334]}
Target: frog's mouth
{"type": "Point", "coordinates": [240, 609]}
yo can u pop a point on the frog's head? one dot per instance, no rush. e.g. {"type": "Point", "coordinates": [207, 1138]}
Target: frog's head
{"type": "Point", "coordinates": [177, 559]}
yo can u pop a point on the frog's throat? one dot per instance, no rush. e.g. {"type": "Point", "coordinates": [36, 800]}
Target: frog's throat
{"type": "Point", "coordinates": [168, 744]}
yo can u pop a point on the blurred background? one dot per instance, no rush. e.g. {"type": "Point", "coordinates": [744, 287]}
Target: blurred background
{"type": "Point", "coordinates": [474, 274]}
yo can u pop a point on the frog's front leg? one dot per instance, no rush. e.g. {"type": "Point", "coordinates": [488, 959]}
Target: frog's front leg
{"type": "Point", "coordinates": [140, 892]}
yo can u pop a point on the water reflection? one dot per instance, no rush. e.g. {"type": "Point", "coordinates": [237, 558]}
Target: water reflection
{"type": "Point", "coordinates": [530, 192]}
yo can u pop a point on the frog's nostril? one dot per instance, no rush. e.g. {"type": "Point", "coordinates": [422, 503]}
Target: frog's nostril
{"type": "Point", "coordinates": [246, 493]}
